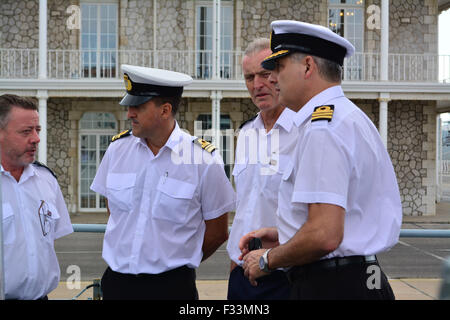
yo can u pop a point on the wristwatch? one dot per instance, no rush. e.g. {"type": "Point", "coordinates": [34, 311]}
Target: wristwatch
{"type": "Point", "coordinates": [264, 262]}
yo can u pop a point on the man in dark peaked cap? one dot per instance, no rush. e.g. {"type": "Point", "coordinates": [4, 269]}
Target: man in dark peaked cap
{"type": "Point", "coordinates": [339, 203]}
{"type": "Point", "coordinates": [166, 215]}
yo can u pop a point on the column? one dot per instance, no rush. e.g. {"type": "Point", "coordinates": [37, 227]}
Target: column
{"type": "Point", "coordinates": [155, 30]}
{"type": "Point", "coordinates": [216, 96]}
{"type": "Point", "coordinates": [383, 125]}
{"type": "Point", "coordinates": [384, 70]}
{"type": "Point", "coordinates": [42, 97]}
{"type": "Point", "coordinates": [42, 39]}
{"type": "Point", "coordinates": [384, 45]}
{"type": "Point", "coordinates": [216, 40]}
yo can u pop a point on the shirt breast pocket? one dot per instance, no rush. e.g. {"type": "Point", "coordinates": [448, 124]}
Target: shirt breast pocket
{"type": "Point", "coordinates": [173, 200]}
{"type": "Point", "coordinates": [48, 216]}
{"type": "Point", "coordinates": [288, 170]}
{"type": "Point", "coordinates": [119, 191]}
{"type": "Point", "coordinates": [9, 227]}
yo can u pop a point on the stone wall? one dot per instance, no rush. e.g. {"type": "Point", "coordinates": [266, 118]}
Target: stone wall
{"type": "Point", "coordinates": [58, 141]}
{"type": "Point", "coordinates": [19, 24]}
{"type": "Point", "coordinates": [413, 23]}
{"type": "Point", "coordinates": [411, 146]}
{"type": "Point", "coordinates": [413, 27]}
{"type": "Point", "coordinates": [257, 15]}
{"type": "Point", "coordinates": [136, 24]}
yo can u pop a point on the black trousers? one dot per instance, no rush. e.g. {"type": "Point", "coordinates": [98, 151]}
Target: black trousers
{"type": "Point", "coordinates": [356, 281]}
{"type": "Point", "coordinates": [274, 286]}
{"type": "Point", "coordinates": [176, 284]}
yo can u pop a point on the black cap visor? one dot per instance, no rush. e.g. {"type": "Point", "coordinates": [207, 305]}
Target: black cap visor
{"type": "Point", "coordinates": [269, 63]}
{"type": "Point", "coordinates": [132, 101]}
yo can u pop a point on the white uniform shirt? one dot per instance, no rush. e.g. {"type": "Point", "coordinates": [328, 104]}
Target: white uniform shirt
{"type": "Point", "coordinates": [261, 158]}
{"type": "Point", "coordinates": [342, 162]}
{"type": "Point", "coordinates": [31, 266]}
{"type": "Point", "coordinates": [158, 204]}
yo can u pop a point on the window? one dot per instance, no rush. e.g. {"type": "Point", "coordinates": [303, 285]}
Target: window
{"type": "Point", "coordinates": [346, 18]}
{"type": "Point", "coordinates": [204, 39]}
{"type": "Point", "coordinates": [96, 130]}
{"type": "Point", "coordinates": [99, 40]}
{"type": "Point", "coordinates": [227, 138]}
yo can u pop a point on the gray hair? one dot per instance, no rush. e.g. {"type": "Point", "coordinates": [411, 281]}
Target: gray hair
{"type": "Point", "coordinates": [257, 45]}
{"type": "Point", "coordinates": [328, 70]}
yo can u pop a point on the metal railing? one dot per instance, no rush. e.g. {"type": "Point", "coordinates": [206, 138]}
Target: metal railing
{"type": "Point", "coordinates": [404, 233]}
{"type": "Point", "coordinates": [98, 64]}
{"type": "Point", "coordinates": [444, 293]}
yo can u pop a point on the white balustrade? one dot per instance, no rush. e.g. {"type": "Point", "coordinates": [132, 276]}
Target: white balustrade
{"type": "Point", "coordinates": [78, 64]}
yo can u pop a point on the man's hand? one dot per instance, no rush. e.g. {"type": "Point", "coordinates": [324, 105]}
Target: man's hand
{"type": "Point", "coordinates": [251, 266]}
{"type": "Point", "coordinates": [268, 236]}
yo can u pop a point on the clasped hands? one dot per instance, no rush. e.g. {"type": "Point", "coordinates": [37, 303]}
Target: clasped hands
{"type": "Point", "coordinates": [269, 238]}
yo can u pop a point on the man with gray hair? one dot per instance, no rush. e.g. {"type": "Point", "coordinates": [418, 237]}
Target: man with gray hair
{"type": "Point", "coordinates": [34, 211]}
{"type": "Point", "coordinates": [263, 147]}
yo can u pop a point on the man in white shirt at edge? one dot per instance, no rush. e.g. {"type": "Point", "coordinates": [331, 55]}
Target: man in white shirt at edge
{"type": "Point", "coordinates": [262, 152]}
{"type": "Point", "coordinates": [339, 202]}
{"type": "Point", "coordinates": [34, 211]}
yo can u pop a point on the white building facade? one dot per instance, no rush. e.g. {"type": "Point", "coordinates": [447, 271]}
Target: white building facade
{"type": "Point", "coordinates": [67, 54]}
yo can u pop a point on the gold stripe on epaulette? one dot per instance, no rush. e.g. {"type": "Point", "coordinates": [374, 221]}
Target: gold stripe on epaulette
{"type": "Point", "coordinates": [323, 113]}
{"type": "Point", "coordinates": [205, 145]}
{"type": "Point", "coordinates": [120, 135]}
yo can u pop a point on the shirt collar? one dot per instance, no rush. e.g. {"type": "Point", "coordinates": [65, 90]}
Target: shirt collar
{"type": "Point", "coordinates": [285, 120]}
{"type": "Point", "coordinates": [318, 100]}
{"type": "Point", "coordinates": [28, 172]}
{"type": "Point", "coordinates": [174, 138]}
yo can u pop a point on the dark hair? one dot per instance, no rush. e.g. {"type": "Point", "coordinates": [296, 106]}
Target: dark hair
{"type": "Point", "coordinates": [9, 101]}
{"type": "Point", "coordinates": [174, 102]}
{"type": "Point", "coordinates": [329, 70]}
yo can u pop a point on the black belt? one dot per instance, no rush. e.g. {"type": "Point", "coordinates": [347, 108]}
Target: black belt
{"type": "Point", "coordinates": [295, 272]}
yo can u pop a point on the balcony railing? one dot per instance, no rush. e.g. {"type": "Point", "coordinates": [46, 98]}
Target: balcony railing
{"type": "Point", "coordinates": [81, 64]}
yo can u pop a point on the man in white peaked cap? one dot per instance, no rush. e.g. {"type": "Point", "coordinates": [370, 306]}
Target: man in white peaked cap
{"type": "Point", "coordinates": [339, 203]}
{"type": "Point", "coordinates": [168, 207]}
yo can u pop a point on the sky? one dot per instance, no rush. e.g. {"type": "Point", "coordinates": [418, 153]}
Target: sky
{"type": "Point", "coordinates": [444, 29]}
{"type": "Point", "coordinates": [444, 44]}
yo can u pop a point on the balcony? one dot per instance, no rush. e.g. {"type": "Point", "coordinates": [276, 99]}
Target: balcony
{"type": "Point", "coordinates": [89, 64]}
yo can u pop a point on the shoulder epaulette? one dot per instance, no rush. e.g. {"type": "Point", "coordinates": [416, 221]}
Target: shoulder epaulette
{"type": "Point", "coordinates": [207, 146]}
{"type": "Point", "coordinates": [247, 121]}
{"type": "Point", "coordinates": [123, 134]}
{"type": "Point", "coordinates": [39, 164]}
{"type": "Point", "coordinates": [323, 113]}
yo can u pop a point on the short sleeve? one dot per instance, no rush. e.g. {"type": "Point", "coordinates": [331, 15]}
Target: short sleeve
{"type": "Point", "coordinates": [217, 194]}
{"type": "Point", "coordinates": [63, 225]}
{"type": "Point", "coordinates": [324, 168]}
{"type": "Point", "coordinates": [99, 183]}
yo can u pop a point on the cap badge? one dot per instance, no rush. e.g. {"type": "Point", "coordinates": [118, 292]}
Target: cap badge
{"type": "Point", "coordinates": [128, 85]}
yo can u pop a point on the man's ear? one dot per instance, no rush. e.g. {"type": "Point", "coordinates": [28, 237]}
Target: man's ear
{"type": "Point", "coordinates": [166, 110]}
{"type": "Point", "coordinates": [310, 66]}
